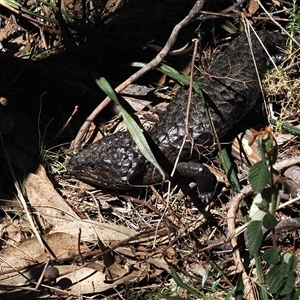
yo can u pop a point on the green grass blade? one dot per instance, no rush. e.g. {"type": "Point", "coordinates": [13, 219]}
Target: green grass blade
{"type": "Point", "coordinates": [167, 70]}
{"type": "Point", "coordinates": [229, 170]}
{"type": "Point", "coordinates": [185, 286]}
{"type": "Point", "coordinates": [285, 126]}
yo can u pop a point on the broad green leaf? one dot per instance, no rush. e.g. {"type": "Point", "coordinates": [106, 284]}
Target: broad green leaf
{"type": "Point", "coordinates": [271, 256]}
{"type": "Point", "coordinates": [289, 284]}
{"type": "Point", "coordinates": [259, 176]}
{"type": "Point", "coordinates": [276, 276]}
{"type": "Point", "coordinates": [271, 195]}
{"type": "Point", "coordinates": [133, 127]}
{"type": "Point", "coordinates": [267, 194]}
{"type": "Point", "coordinates": [291, 260]}
{"type": "Point", "coordinates": [255, 236]}
{"type": "Point", "coordinates": [256, 212]}
{"type": "Point", "coordinates": [295, 295]}
{"type": "Point", "coordinates": [269, 221]}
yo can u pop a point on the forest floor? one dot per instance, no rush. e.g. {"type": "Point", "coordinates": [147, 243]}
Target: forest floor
{"type": "Point", "coordinates": [64, 239]}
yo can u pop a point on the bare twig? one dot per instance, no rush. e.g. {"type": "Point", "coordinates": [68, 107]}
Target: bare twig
{"type": "Point", "coordinates": [67, 123]}
{"type": "Point", "coordinates": [188, 108]}
{"type": "Point", "coordinates": [234, 205]}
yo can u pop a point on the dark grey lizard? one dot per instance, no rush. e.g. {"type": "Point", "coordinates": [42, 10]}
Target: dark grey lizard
{"type": "Point", "coordinates": [231, 88]}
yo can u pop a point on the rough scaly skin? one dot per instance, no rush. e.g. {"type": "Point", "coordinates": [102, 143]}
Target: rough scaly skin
{"type": "Point", "coordinates": [231, 88]}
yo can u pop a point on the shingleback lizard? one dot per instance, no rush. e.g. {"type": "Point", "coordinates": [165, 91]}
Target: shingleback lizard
{"type": "Point", "coordinates": [231, 88]}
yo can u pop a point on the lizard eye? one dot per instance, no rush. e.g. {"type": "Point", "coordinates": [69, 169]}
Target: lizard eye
{"type": "Point", "coordinates": [92, 167]}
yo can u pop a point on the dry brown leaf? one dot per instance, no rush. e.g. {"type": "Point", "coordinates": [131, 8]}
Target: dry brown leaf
{"type": "Point", "coordinates": [46, 200]}
{"type": "Point", "coordinates": [89, 281]}
{"type": "Point", "coordinates": [76, 280]}
{"type": "Point", "coordinates": [253, 6]}
{"type": "Point", "coordinates": [10, 281]}
{"type": "Point", "coordinates": [29, 252]}
{"type": "Point", "coordinates": [7, 30]}
{"type": "Point", "coordinates": [94, 231]}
